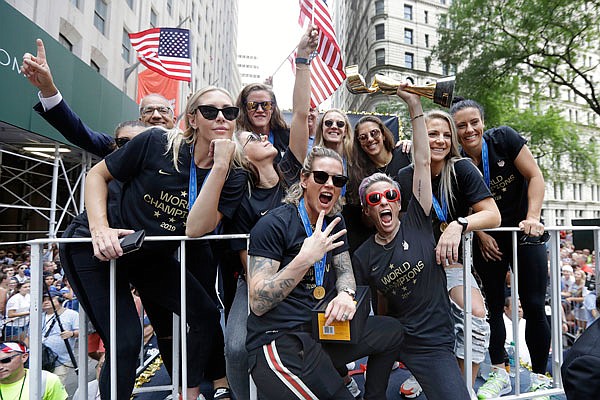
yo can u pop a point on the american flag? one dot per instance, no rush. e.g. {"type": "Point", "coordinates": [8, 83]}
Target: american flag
{"type": "Point", "coordinates": [165, 51]}
{"type": "Point", "coordinates": [327, 69]}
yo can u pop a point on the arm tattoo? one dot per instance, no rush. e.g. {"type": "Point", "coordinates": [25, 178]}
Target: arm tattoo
{"type": "Point", "coordinates": [343, 269]}
{"type": "Point", "coordinates": [267, 288]}
{"type": "Point", "coordinates": [419, 188]}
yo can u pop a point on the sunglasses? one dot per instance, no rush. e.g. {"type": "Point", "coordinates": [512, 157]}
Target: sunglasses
{"type": "Point", "coordinates": [210, 112]}
{"type": "Point", "coordinates": [340, 124]}
{"type": "Point", "coordinates": [121, 141]}
{"type": "Point", "coordinates": [9, 358]}
{"type": "Point", "coordinates": [252, 137]}
{"type": "Point", "coordinates": [364, 137]}
{"type": "Point", "coordinates": [162, 110]}
{"type": "Point", "coordinates": [321, 177]}
{"type": "Point", "coordinates": [265, 105]}
{"type": "Point", "coordinates": [391, 195]}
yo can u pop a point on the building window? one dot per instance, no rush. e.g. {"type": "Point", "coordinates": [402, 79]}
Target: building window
{"type": "Point", "coordinates": [130, 4]}
{"type": "Point", "coordinates": [380, 57]}
{"type": "Point", "coordinates": [100, 12]}
{"type": "Point", "coordinates": [95, 66]}
{"type": "Point", "coordinates": [379, 7]}
{"type": "Point", "coordinates": [126, 46]}
{"type": "Point", "coordinates": [442, 1]}
{"type": "Point", "coordinates": [427, 64]}
{"type": "Point", "coordinates": [407, 12]}
{"type": "Point", "coordinates": [409, 60]}
{"type": "Point", "coordinates": [408, 36]}
{"type": "Point", "coordinates": [426, 16]}
{"type": "Point", "coordinates": [65, 42]}
{"type": "Point", "coordinates": [170, 7]}
{"type": "Point", "coordinates": [76, 3]}
{"type": "Point", "coordinates": [379, 32]}
{"type": "Point", "coordinates": [153, 18]}
{"type": "Point", "coordinates": [445, 69]}
{"type": "Point", "coordinates": [426, 40]}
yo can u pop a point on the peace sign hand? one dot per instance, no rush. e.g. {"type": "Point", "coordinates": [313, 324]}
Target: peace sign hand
{"type": "Point", "coordinates": [319, 243]}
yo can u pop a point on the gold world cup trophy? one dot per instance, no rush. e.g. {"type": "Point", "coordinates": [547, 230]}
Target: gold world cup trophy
{"type": "Point", "coordinates": [440, 92]}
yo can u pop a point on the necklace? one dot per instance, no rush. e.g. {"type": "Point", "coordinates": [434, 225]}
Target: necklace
{"type": "Point", "coordinates": [21, 391]}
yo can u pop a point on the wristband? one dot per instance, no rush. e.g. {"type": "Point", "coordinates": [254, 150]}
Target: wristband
{"type": "Point", "coordinates": [416, 116]}
{"type": "Point", "coordinates": [301, 60]}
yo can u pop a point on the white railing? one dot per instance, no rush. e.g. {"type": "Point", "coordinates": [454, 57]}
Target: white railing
{"type": "Point", "coordinates": [179, 323]}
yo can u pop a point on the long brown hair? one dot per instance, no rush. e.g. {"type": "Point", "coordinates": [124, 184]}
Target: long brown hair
{"type": "Point", "coordinates": [276, 123]}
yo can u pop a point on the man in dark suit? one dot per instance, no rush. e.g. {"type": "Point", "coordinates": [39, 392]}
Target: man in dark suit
{"type": "Point", "coordinates": [155, 109]}
{"type": "Point", "coordinates": [581, 366]}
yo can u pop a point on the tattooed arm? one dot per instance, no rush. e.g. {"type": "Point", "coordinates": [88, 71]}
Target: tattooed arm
{"type": "Point", "coordinates": [268, 286]}
{"type": "Point", "coordinates": [342, 307]}
{"type": "Point", "coordinates": [421, 157]}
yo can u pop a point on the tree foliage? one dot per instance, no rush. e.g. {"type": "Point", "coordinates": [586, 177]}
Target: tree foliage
{"type": "Point", "coordinates": [504, 46]}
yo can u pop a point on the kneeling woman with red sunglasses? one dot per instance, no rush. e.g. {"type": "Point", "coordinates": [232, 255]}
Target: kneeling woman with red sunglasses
{"type": "Point", "coordinates": [399, 263]}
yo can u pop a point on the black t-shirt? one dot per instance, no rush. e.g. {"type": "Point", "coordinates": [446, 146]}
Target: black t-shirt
{"type": "Point", "coordinates": [155, 195]}
{"type": "Point", "coordinates": [279, 235]}
{"type": "Point", "coordinates": [258, 201]}
{"type": "Point", "coordinates": [507, 185]}
{"type": "Point", "coordinates": [399, 161]}
{"type": "Point", "coordinates": [468, 188]}
{"type": "Point", "coordinates": [281, 141]}
{"type": "Point", "coordinates": [405, 271]}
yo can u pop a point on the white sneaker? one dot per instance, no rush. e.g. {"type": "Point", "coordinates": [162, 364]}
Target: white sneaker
{"type": "Point", "coordinates": [410, 388]}
{"type": "Point", "coordinates": [352, 387]}
{"type": "Point", "coordinates": [540, 382]}
{"type": "Point", "coordinates": [496, 385]}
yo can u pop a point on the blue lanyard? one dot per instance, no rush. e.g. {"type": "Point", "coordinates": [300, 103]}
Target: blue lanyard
{"type": "Point", "coordinates": [485, 161]}
{"type": "Point", "coordinates": [441, 212]}
{"type": "Point", "coordinates": [319, 265]}
{"type": "Point", "coordinates": [193, 183]}
{"type": "Point", "coordinates": [343, 193]}
{"type": "Point", "coordinates": [271, 137]}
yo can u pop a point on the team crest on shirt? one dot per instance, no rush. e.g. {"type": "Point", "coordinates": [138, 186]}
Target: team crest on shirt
{"type": "Point", "coordinates": [405, 245]}
{"type": "Point", "coordinates": [501, 163]}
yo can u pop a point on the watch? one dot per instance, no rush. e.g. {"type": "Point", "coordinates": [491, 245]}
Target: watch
{"type": "Point", "coordinates": [463, 222]}
{"type": "Point", "coordinates": [302, 60]}
{"type": "Point", "coordinates": [351, 292]}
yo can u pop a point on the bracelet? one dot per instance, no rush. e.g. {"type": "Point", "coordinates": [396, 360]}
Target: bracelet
{"type": "Point", "coordinates": [416, 116]}
{"type": "Point", "coordinates": [302, 60]}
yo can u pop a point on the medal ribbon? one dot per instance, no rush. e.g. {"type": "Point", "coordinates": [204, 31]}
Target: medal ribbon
{"type": "Point", "coordinates": [343, 193]}
{"type": "Point", "coordinates": [440, 211]}
{"type": "Point", "coordinates": [486, 162]}
{"type": "Point", "coordinates": [319, 265]}
{"type": "Point", "coordinates": [193, 183]}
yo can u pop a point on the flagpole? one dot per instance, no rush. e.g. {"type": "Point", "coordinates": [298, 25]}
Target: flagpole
{"type": "Point", "coordinates": [284, 60]}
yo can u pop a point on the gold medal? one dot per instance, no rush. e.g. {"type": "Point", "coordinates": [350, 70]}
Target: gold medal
{"type": "Point", "coordinates": [319, 292]}
{"type": "Point", "coordinates": [443, 226]}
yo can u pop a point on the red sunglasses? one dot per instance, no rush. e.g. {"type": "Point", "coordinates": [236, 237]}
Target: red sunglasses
{"type": "Point", "coordinates": [391, 195]}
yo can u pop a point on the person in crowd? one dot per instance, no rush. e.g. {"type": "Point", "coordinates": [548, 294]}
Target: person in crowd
{"type": "Point", "coordinates": [20, 275]}
{"type": "Point", "coordinates": [284, 288]}
{"type": "Point", "coordinates": [59, 327]}
{"type": "Point", "coordinates": [508, 325]}
{"type": "Point", "coordinates": [373, 151]}
{"type": "Point", "coordinates": [577, 293]}
{"type": "Point", "coordinates": [174, 183]}
{"type": "Point", "coordinates": [155, 109]}
{"type": "Point", "coordinates": [462, 203]}
{"type": "Point", "coordinates": [17, 313]}
{"type": "Point", "coordinates": [3, 296]}
{"type": "Point", "coordinates": [517, 184]}
{"type": "Point", "coordinates": [12, 286]}
{"type": "Point", "coordinates": [581, 366]}
{"type": "Point", "coordinates": [266, 189]}
{"type": "Point", "coordinates": [399, 263]}
{"type": "Point", "coordinates": [4, 259]}
{"type": "Point", "coordinates": [14, 377]}
{"type": "Point", "coordinates": [9, 270]}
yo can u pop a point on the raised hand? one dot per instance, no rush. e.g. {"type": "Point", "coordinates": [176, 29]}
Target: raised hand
{"type": "Point", "coordinates": [319, 243]}
{"type": "Point", "coordinates": [37, 71]}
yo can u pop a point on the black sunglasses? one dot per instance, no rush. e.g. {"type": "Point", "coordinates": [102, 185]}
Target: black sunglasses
{"type": "Point", "coordinates": [210, 112]}
{"type": "Point", "coordinates": [340, 124]}
{"type": "Point", "coordinates": [321, 177]}
{"type": "Point", "coordinates": [265, 105]}
{"type": "Point", "coordinates": [252, 137]}
{"type": "Point", "coordinates": [9, 358]}
{"type": "Point", "coordinates": [391, 195]}
{"type": "Point", "coordinates": [121, 141]}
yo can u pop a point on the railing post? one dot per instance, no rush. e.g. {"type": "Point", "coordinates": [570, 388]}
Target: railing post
{"type": "Point", "coordinates": [555, 303]}
{"type": "Point", "coordinates": [467, 242]}
{"type": "Point", "coordinates": [35, 323]}
{"type": "Point", "coordinates": [113, 329]}
{"type": "Point", "coordinates": [514, 293]}
{"type": "Point", "coordinates": [183, 322]}
{"type": "Point", "coordinates": [52, 228]}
